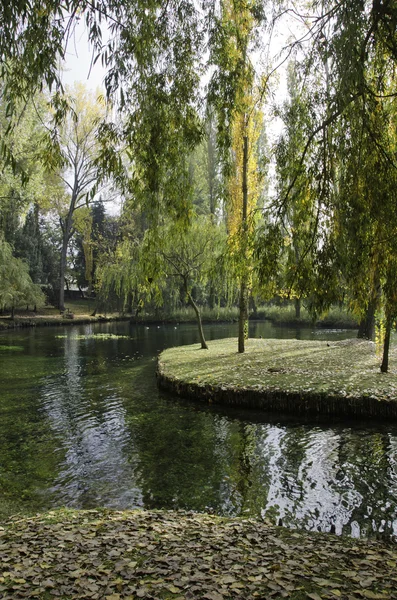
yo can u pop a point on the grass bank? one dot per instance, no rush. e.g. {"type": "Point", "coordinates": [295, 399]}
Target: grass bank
{"type": "Point", "coordinates": [77, 312]}
{"type": "Point", "coordinates": [82, 313]}
{"type": "Point", "coordinates": [101, 554]}
{"type": "Point", "coordinates": [335, 318]}
{"type": "Point", "coordinates": [301, 377]}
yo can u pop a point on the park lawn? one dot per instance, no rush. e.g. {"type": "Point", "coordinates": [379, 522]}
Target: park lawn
{"type": "Point", "coordinates": [348, 368]}
{"type": "Point", "coordinates": [116, 555]}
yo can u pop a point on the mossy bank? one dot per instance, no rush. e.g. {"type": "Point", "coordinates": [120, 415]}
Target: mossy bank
{"type": "Point", "coordinates": [301, 377]}
{"type": "Point", "coordinates": [116, 555]}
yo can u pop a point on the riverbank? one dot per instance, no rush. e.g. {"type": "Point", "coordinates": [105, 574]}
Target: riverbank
{"type": "Point", "coordinates": [114, 555]}
{"type": "Point", "coordinates": [80, 312]}
{"type": "Point", "coordinates": [53, 321]}
{"type": "Point", "coordinates": [340, 378]}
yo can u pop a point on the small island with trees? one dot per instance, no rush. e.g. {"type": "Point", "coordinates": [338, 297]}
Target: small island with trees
{"type": "Point", "coordinates": [339, 378]}
{"type": "Point", "coordinates": [240, 161]}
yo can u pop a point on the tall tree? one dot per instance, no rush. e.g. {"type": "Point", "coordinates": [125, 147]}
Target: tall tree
{"type": "Point", "coordinates": [79, 146]}
{"type": "Point", "coordinates": [236, 97]}
{"type": "Point", "coordinates": [190, 256]}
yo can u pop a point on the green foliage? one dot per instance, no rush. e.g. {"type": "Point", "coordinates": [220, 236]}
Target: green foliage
{"type": "Point", "coordinates": [165, 264]}
{"type": "Point", "coordinates": [335, 317]}
{"type": "Point", "coordinates": [16, 286]}
{"type": "Point", "coordinates": [24, 183]}
{"type": "Point", "coordinates": [326, 238]}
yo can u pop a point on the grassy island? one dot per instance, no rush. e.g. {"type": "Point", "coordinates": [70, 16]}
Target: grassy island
{"type": "Point", "coordinates": [112, 555]}
{"type": "Point", "coordinates": [302, 377]}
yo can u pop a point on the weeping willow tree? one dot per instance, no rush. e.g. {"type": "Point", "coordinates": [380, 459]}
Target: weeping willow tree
{"type": "Point", "coordinates": [16, 286]}
{"type": "Point", "coordinates": [166, 260]}
{"type": "Point", "coordinates": [190, 257]}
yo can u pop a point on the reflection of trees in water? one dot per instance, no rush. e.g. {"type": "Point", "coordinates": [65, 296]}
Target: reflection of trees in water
{"type": "Point", "coordinates": [103, 434]}
{"type": "Point", "coordinates": [318, 479]}
{"type": "Point", "coordinates": [179, 461]}
{"type": "Point", "coordinates": [367, 466]}
{"type": "Point", "coordinates": [302, 489]}
{"type": "Point", "coordinates": [89, 420]}
{"type": "Point", "coordinates": [246, 492]}
{"type": "Point", "coordinates": [28, 461]}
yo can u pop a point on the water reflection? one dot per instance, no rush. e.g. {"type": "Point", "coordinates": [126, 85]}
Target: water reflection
{"type": "Point", "coordinates": [82, 424]}
{"type": "Point", "coordinates": [91, 427]}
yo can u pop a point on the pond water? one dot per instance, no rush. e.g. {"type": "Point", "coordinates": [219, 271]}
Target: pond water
{"type": "Point", "coordinates": [82, 424]}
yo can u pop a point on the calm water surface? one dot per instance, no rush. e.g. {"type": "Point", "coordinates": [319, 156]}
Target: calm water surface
{"type": "Point", "coordinates": [82, 424]}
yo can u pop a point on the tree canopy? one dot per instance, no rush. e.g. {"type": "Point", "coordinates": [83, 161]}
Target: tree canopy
{"type": "Point", "coordinates": [187, 83]}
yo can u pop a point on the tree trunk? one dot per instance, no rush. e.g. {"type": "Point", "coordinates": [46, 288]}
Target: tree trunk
{"type": "Point", "coordinates": [243, 316]}
{"type": "Point", "coordinates": [199, 323]}
{"type": "Point", "coordinates": [129, 303]}
{"type": "Point", "coordinates": [386, 345]}
{"type": "Point", "coordinates": [252, 306]}
{"type": "Point", "coordinates": [212, 299]}
{"type": "Point", "coordinates": [366, 328]}
{"type": "Point", "coordinates": [63, 270]}
{"type": "Point", "coordinates": [297, 303]}
{"type": "Point", "coordinates": [67, 228]}
{"type": "Point", "coordinates": [211, 164]}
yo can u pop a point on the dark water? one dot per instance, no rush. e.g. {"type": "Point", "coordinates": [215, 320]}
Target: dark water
{"type": "Point", "coordinates": [82, 424]}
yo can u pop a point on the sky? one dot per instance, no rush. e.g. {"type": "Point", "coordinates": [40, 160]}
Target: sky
{"type": "Point", "coordinates": [78, 61]}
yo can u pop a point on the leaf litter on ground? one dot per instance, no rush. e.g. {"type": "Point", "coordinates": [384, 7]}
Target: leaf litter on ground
{"type": "Point", "coordinates": [117, 555]}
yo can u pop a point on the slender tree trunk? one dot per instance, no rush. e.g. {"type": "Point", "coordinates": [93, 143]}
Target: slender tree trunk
{"type": "Point", "coordinates": [366, 329]}
{"type": "Point", "coordinates": [297, 303]}
{"type": "Point", "coordinates": [129, 303]}
{"type": "Point", "coordinates": [198, 316]}
{"type": "Point", "coordinates": [252, 306]}
{"type": "Point", "coordinates": [386, 345]}
{"type": "Point", "coordinates": [243, 316]}
{"type": "Point", "coordinates": [62, 275]}
{"type": "Point", "coordinates": [211, 165]}
{"type": "Point", "coordinates": [65, 240]}
{"type": "Point", "coordinates": [211, 299]}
